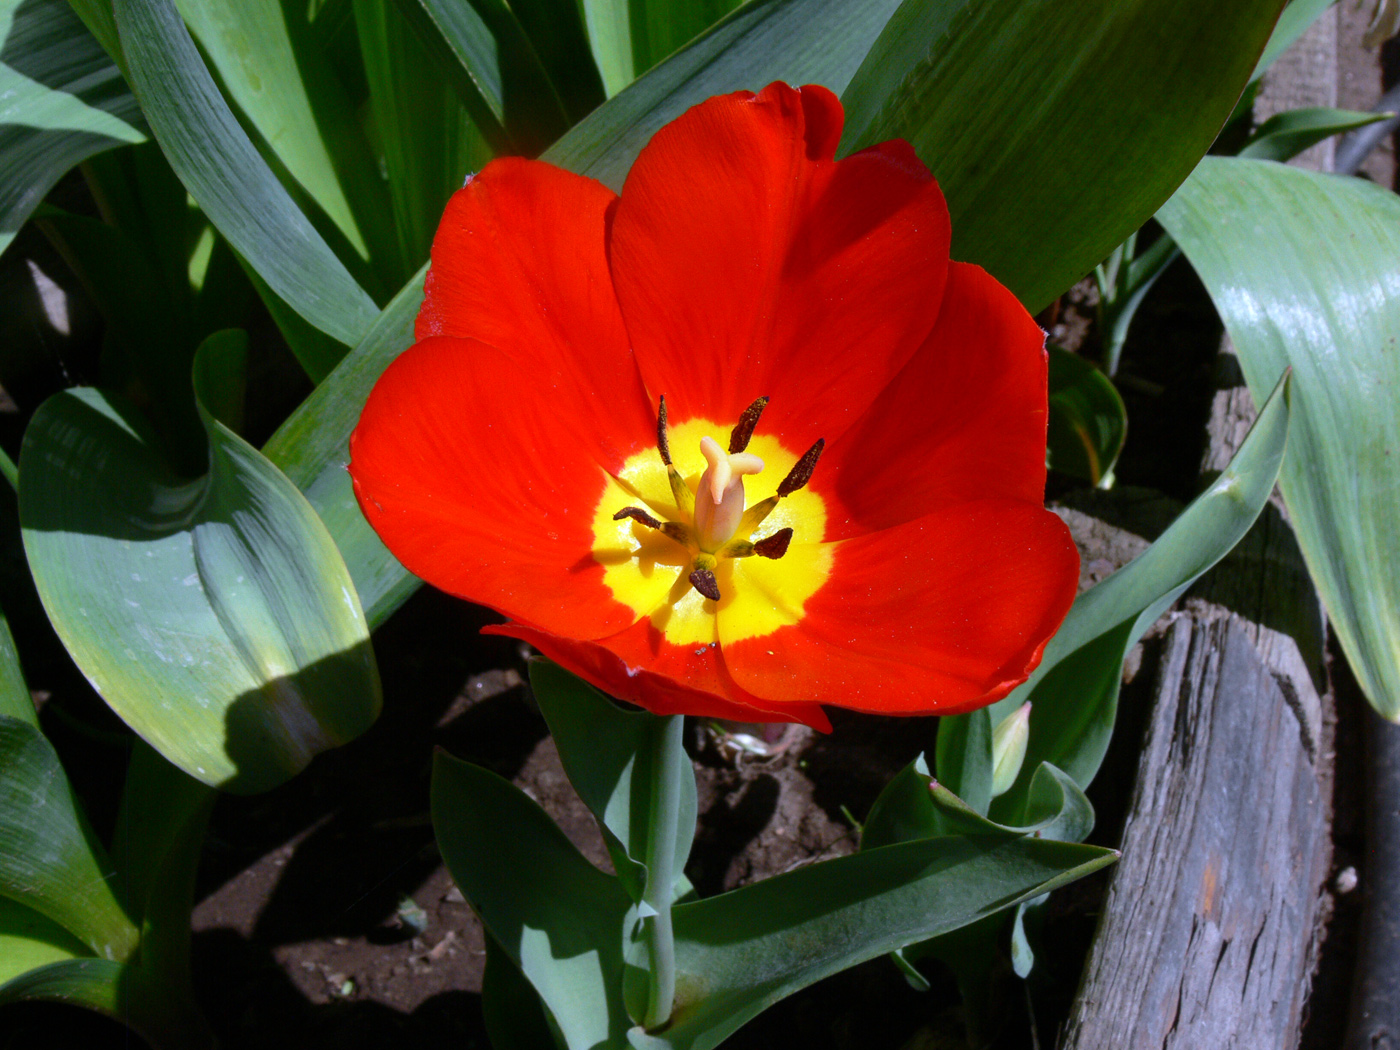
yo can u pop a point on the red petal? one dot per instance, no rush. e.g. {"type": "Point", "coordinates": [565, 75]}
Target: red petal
{"type": "Point", "coordinates": [648, 682]}
{"type": "Point", "coordinates": [748, 262]}
{"type": "Point", "coordinates": [965, 419]}
{"type": "Point", "coordinates": [481, 470]}
{"type": "Point", "coordinates": [937, 616]}
{"type": "Point", "coordinates": [519, 261]}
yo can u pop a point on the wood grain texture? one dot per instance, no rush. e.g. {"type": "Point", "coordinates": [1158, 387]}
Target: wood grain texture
{"type": "Point", "coordinates": [1208, 933]}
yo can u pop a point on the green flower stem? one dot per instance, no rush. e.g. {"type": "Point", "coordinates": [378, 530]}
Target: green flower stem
{"type": "Point", "coordinates": [669, 764]}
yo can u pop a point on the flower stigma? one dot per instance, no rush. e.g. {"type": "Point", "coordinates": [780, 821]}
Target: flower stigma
{"type": "Point", "coordinates": [697, 519]}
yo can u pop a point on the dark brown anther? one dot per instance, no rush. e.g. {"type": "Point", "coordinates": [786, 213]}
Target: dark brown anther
{"type": "Point", "coordinates": [703, 580]}
{"type": "Point", "coordinates": [774, 546]}
{"type": "Point", "coordinates": [637, 514]}
{"type": "Point", "coordinates": [801, 473]}
{"type": "Point", "coordinates": [663, 443]}
{"type": "Point", "coordinates": [743, 430]}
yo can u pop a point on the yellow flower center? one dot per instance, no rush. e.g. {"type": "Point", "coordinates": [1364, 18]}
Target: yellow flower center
{"type": "Point", "coordinates": [680, 544]}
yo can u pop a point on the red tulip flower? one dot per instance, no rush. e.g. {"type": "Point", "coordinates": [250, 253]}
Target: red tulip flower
{"type": "Point", "coordinates": [739, 442]}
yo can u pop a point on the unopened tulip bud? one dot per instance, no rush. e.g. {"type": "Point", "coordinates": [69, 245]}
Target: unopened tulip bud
{"type": "Point", "coordinates": [1009, 748]}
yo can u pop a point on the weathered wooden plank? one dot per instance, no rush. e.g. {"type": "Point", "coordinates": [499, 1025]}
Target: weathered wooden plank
{"type": "Point", "coordinates": [1207, 933]}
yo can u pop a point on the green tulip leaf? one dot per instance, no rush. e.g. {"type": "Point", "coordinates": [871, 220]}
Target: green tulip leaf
{"type": "Point", "coordinates": [801, 41]}
{"type": "Point", "coordinates": [1292, 23]}
{"type": "Point", "coordinates": [429, 142]}
{"type": "Point", "coordinates": [29, 940]}
{"type": "Point", "coordinates": [559, 919]}
{"type": "Point", "coordinates": [798, 41]}
{"type": "Point", "coordinates": [742, 951]}
{"type": "Point", "coordinates": [284, 88]}
{"type": "Point", "coordinates": [1088, 423]}
{"type": "Point", "coordinates": [1285, 135]}
{"type": "Point", "coordinates": [225, 174]}
{"type": "Point", "coordinates": [95, 984]}
{"type": "Point", "coordinates": [608, 754]}
{"type": "Point", "coordinates": [215, 616]}
{"type": "Point", "coordinates": [50, 861]}
{"type": "Point", "coordinates": [62, 100]}
{"type": "Point", "coordinates": [963, 757]}
{"type": "Point", "coordinates": [483, 52]}
{"type": "Point", "coordinates": [1055, 130]}
{"type": "Point", "coordinates": [1302, 269]}
{"type": "Point", "coordinates": [1074, 691]}
{"type": "Point", "coordinates": [15, 701]}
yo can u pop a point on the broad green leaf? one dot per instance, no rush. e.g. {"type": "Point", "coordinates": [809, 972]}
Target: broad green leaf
{"type": "Point", "coordinates": [429, 142]}
{"type": "Point", "coordinates": [797, 40]}
{"type": "Point", "coordinates": [963, 757]}
{"type": "Point", "coordinates": [215, 616]}
{"type": "Point", "coordinates": [902, 812]}
{"type": "Point", "coordinates": [28, 940]}
{"type": "Point", "coordinates": [514, 1017]}
{"type": "Point", "coordinates": [1302, 268]}
{"type": "Point", "coordinates": [557, 917]}
{"type": "Point", "coordinates": [1088, 423]}
{"type": "Point", "coordinates": [288, 94]}
{"type": "Point", "coordinates": [1285, 135]}
{"type": "Point", "coordinates": [50, 860]}
{"type": "Point", "coordinates": [1075, 688]}
{"type": "Point", "coordinates": [480, 46]}
{"type": "Point", "coordinates": [61, 100]}
{"type": "Point", "coordinates": [739, 952]}
{"type": "Point", "coordinates": [608, 754]}
{"type": "Point", "coordinates": [224, 172]}
{"type": "Point", "coordinates": [312, 448]}
{"type": "Point", "coordinates": [15, 701]}
{"type": "Point", "coordinates": [1055, 130]}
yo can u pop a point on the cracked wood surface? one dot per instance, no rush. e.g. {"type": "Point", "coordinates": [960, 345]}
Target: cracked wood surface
{"type": "Point", "coordinates": [1207, 936]}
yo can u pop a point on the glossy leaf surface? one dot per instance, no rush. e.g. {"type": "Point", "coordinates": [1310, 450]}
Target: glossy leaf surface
{"type": "Point", "coordinates": [95, 984]}
{"type": "Point", "coordinates": [1302, 268]}
{"type": "Point", "coordinates": [1075, 688]}
{"type": "Point", "coordinates": [1055, 130]}
{"type": "Point", "coordinates": [224, 172]}
{"type": "Point", "coordinates": [62, 99]}
{"type": "Point", "coordinates": [215, 616]}
{"type": "Point", "coordinates": [50, 861]}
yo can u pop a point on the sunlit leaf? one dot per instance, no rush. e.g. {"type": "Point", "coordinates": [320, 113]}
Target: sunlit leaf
{"type": "Point", "coordinates": [50, 860]}
{"type": "Point", "coordinates": [1055, 130]}
{"type": "Point", "coordinates": [224, 172]}
{"type": "Point", "coordinates": [62, 99]}
{"type": "Point", "coordinates": [215, 616]}
{"type": "Point", "coordinates": [1302, 268]}
{"type": "Point", "coordinates": [28, 940]}
{"type": "Point", "coordinates": [289, 95]}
